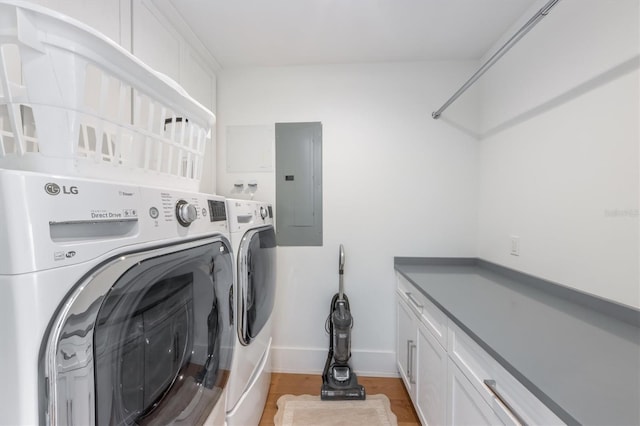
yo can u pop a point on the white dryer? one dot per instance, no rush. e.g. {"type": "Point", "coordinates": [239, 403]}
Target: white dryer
{"type": "Point", "coordinates": [254, 244]}
{"type": "Point", "coordinates": [116, 303]}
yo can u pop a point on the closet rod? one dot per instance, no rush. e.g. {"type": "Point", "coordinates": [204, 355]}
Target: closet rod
{"type": "Point", "coordinates": [494, 58]}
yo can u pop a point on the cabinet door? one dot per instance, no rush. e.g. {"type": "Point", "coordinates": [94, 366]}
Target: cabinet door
{"type": "Point", "coordinates": [465, 405]}
{"type": "Point", "coordinates": [105, 16]}
{"type": "Point", "coordinates": [406, 345]}
{"type": "Point", "coordinates": [154, 41]}
{"type": "Point", "coordinates": [431, 386]}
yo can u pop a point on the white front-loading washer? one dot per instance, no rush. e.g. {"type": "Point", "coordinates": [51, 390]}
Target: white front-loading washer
{"type": "Point", "coordinates": [116, 303]}
{"type": "Point", "coordinates": [254, 244]}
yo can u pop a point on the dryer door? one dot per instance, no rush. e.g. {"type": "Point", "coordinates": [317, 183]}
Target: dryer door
{"type": "Point", "coordinates": [256, 281]}
{"type": "Point", "coordinates": [145, 339]}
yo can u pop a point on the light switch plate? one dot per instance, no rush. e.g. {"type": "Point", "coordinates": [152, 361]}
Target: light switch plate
{"type": "Point", "coordinates": [515, 245]}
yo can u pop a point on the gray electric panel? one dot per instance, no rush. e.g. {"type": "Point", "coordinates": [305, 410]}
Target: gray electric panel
{"type": "Point", "coordinates": [299, 184]}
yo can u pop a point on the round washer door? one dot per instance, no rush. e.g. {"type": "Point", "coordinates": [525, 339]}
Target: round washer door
{"type": "Point", "coordinates": [147, 338]}
{"type": "Point", "coordinates": [256, 281]}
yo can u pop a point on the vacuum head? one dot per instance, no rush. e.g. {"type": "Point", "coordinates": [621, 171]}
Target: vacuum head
{"type": "Point", "coordinates": [333, 389]}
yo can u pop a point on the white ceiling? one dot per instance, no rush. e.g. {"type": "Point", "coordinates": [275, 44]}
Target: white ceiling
{"type": "Point", "coordinates": [298, 32]}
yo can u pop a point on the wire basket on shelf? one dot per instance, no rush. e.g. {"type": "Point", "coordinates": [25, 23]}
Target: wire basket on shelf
{"type": "Point", "coordinates": [74, 103]}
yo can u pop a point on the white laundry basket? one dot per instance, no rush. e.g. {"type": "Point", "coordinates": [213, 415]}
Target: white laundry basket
{"type": "Point", "coordinates": [73, 102]}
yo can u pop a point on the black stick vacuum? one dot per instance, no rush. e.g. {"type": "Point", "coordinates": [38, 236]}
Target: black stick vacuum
{"type": "Point", "coordinates": [338, 381]}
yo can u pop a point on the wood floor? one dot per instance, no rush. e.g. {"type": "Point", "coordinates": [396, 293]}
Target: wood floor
{"type": "Point", "coordinates": [306, 384]}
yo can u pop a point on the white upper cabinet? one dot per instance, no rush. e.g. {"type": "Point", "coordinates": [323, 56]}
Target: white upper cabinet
{"type": "Point", "coordinates": [159, 43]}
{"type": "Point", "coordinates": [154, 41]}
{"type": "Point", "coordinates": [155, 33]}
{"type": "Point", "coordinates": [198, 80]}
{"type": "Point", "coordinates": [142, 28]}
{"type": "Point", "coordinates": [105, 16]}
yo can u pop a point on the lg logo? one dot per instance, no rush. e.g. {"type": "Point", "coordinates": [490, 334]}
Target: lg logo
{"type": "Point", "coordinates": [54, 189]}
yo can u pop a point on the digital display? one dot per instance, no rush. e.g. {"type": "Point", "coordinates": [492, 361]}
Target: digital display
{"type": "Point", "coordinates": [217, 211]}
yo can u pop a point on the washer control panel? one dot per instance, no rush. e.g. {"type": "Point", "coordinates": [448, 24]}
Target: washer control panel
{"type": "Point", "coordinates": [72, 220]}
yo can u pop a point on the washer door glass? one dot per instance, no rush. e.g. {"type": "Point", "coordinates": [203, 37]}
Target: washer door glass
{"type": "Point", "coordinates": [257, 278]}
{"type": "Point", "coordinates": [161, 336]}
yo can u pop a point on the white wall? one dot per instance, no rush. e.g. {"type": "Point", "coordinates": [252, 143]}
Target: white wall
{"type": "Point", "coordinates": [559, 160]}
{"type": "Point", "coordinates": [395, 182]}
{"type": "Point", "coordinates": [555, 163]}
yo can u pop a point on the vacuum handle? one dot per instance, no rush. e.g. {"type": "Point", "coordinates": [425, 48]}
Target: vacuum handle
{"type": "Point", "coordinates": [341, 272]}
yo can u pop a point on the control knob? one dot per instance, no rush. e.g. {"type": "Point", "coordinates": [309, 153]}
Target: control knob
{"type": "Point", "coordinates": [185, 213]}
{"type": "Point", "coordinates": [263, 212]}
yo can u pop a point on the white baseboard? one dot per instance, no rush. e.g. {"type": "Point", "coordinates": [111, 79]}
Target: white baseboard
{"type": "Point", "coordinates": [311, 361]}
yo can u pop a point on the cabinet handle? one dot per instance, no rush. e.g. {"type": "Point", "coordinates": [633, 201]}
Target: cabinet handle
{"type": "Point", "coordinates": [492, 385]}
{"type": "Point", "coordinates": [412, 346]}
{"type": "Point", "coordinates": [414, 301]}
{"type": "Point", "coordinates": [409, 343]}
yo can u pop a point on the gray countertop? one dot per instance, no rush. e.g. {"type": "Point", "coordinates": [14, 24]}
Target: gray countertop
{"type": "Point", "coordinates": [578, 354]}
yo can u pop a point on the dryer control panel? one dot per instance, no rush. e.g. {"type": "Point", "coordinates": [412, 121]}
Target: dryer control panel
{"type": "Point", "coordinates": [245, 214]}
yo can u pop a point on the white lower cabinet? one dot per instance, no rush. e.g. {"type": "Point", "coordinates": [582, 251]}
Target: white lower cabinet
{"type": "Point", "coordinates": [451, 380]}
{"type": "Point", "coordinates": [431, 379]}
{"type": "Point", "coordinates": [509, 399]}
{"type": "Point", "coordinates": [421, 358]}
{"type": "Point", "coordinates": [466, 406]}
{"type": "Point", "coordinates": [405, 345]}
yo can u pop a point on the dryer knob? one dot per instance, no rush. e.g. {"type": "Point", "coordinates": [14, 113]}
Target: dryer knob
{"type": "Point", "coordinates": [263, 212]}
{"type": "Point", "coordinates": [185, 213]}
